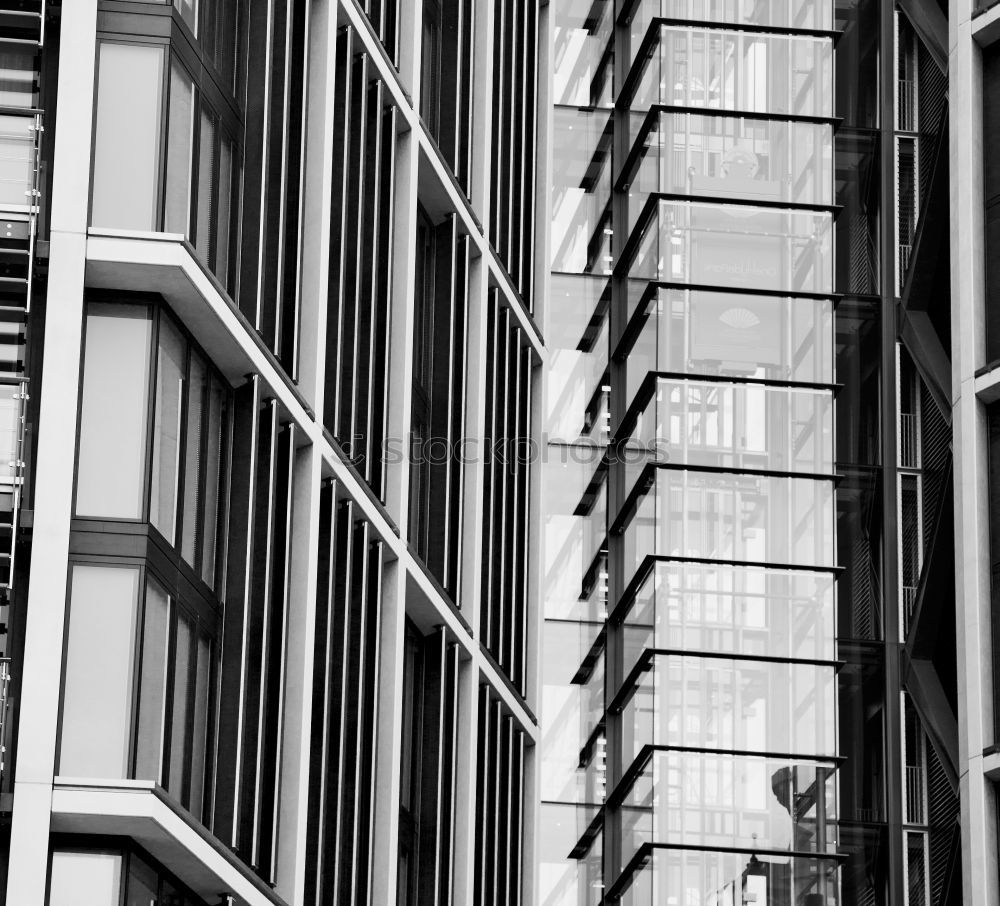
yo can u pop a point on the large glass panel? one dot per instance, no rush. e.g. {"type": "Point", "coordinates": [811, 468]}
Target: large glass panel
{"type": "Point", "coordinates": [737, 426]}
{"type": "Point", "coordinates": [97, 684]}
{"type": "Point", "coordinates": [112, 453]}
{"type": "Point", "coordinates": [143, 884]}
{"type": "Point", "coordinates": [194, 464]}
{"type": "Point", "coordinates": [152, 684]}
{"type": "Point", "coordinates": [743, 610]}
{"type": "Point", "coordinates": [127, 136]}
{"type": "Point", "coordinates": [177, 205]}
{"type": "Point", "coordinates": [734, 70]}
{"type": "Point", "coordinates": [770, 806]}
{"type": "Point", "coordinates": [225, 211]}
{"type": "Point", "coordinates": [729, 334]}
{"type": "Point", "coordinates": [91, 878]}
{"type": "Point", "coordinates": [582, 61]}
{"type": "Point", "coordinates": [682, 877]}
{"type": "Point", "coordinates": [736, 246]}
{"type": "Point", "coordinates": [731, 157]}
{"type": "Point", "coordinates": [581, 191]}
{"type": "Point", "coordinates": [728, 516]}
{"type": "Point", "coordinates": [167, 429]}
{"type": "Point", "coordinates": [732, 704]}
{"type": "Point", "coordinates": [17, 160]}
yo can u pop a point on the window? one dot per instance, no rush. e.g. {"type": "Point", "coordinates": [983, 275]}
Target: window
{"type": "Point", "coordinates": [160, 646]}
{"type": "Point", "coordinates": [127, 136]}
{"type": "Point", "coordinates": [113, 411]}
{"type": "Point", "coordinates": [190, 426]}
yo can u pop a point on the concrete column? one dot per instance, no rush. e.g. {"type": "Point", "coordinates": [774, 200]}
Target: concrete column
{"type": "Point", "coordinates": [41, 671]}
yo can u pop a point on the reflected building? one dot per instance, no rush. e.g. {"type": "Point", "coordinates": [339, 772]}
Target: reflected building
{"type": "Point", "coordinates": [749, 676]}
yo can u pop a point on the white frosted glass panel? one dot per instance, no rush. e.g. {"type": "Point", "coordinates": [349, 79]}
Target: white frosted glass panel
{"type": "Point", "coordinates": [177, 205]}
{"type": "Point", "coordinates": [127, 136]}
{"type": "Point", "coordinates": [167, 429]}
{"type": "Point", "coordinates": [85, 879]}
{"type": "Point", "coordinates": [97, 692]}
{"type": "Point", "coordinates": [113, 412]}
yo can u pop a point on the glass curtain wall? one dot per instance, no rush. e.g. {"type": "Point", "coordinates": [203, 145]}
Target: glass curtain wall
{"type": "Point", "coordinates": [719, 656]}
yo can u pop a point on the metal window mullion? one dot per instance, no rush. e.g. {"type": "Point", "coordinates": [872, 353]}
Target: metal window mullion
{"type": "Point", "coordinates": [499, 79]}
{"type": "Point", "coordinates": [340, 608]}
{"type": "Point", "coordinates": [264, 162]}
{"type": "Point", "coordinates": [456, 413]}
{"type": "Point", "coordinates": [282, 659]}
{"type": "Point", "coordinates": [351, 365]}
{"type": "Point", "coordinates": [531, 144]}
{"type": "Point", "coordinates": [483, 811]}
{"type": "Point", "coordinates": [517, 882]}
{"type": "Point", "coordinates": [489, 471]}
{"type": "Point", "coordinates": [451, 747]}
{"type": "Point", "coordinates": [464, 131]}
{"type": "Point", "coordinates": [498, 614]}
{"type": "Point", "coordinates": [266, 625]}
{"type": "Point", "coordinates": [245, 592]}
{"type": "Point", "coordinates": [506, 484]}
{"type": "Point", "coordinates": [321, 703]}
{"type": "Point", "coordinates": [343, 88]}
{"type": "Point", "coordinates": [371, 175]}
{"type": "Point", "coordinates": [371, 639]}
{"type": "Point", "coordinates": [384, 260]}
{"type": "Point", "coordinates": [514, 541]}
{"type": "Point", "coordinates": [519, 148]}
{"type": "Point", "coordinates": [358, 875]}
{"type": "Point", "coordinates": [524, 521]}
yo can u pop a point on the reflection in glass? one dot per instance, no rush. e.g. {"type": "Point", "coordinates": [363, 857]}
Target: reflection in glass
{"type": "Point", "coordinates": [127, 136]}
{"type": "Point", "coordinates": [97, 682]}
{"type": "Point", "coordinates": [582, 69]}
{"type": "Point", "coordinates": [748, 802]}
{"type": "Point", "coordinates": [152, 684]}
{"type": "Point", "coordinates": [732, 157]}
{"type": "Point", "coordinates": [197, 395]}
{"type": "Point", "coordinates": [112, 448]}
{"type": "Point", "coordinates": [737, 247]}
{"type": "Point", "coordinates": [737, 426]}
{"type": "Point", "coordinates": [729, 516]}
{"type": "Point", "coordinates": [732, 704]}
{"type": "Point", "coordinates": [734, 70]}
{"type": "Point", "coordinates": [744, 610]}
{"type": "Point", "coordinates": [733, 879]}
{"type": "Point", "coordinates": [170, 371]}
{"type": "Point", "coordinates": [729, 334]}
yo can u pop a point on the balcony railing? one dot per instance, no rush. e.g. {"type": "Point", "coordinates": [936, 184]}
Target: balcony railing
{"type": "Point", "coordinates": [906, 114]}
{"type": "Point", "coordinates": [914, 795]}
{"type": "Point", "coordinates": [909, 441]}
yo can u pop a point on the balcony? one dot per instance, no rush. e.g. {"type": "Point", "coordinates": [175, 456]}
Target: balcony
{"type": "Point", "coordinates": [773, 806]}
{"type": "Point", "coordinates": [693, 701]}
{"type": "Point", "coordinates": [738, 247]}
{"type": "Point", "coordinates": [698, 332]}
{"type": "Point", "coordinates": [732, 426]}
{"type": "Point", "coordinates": [665, 875]}
{"type": "Point", "coordinates": [746, 610]}
{"type": "Point", "coordinates": [682, 513]}
{"type": "Point", "coordinates": [711, 155]}
{"type": "Point", "coordinates": [803, 14]}
{"type": "Point", "coordinates": [722, 68]}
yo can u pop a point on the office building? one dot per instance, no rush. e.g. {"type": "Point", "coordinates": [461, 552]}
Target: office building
{"type": "Point", "coordinates": [749, 666]}
{"type": "Point", "coordinates": [268, 270]}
